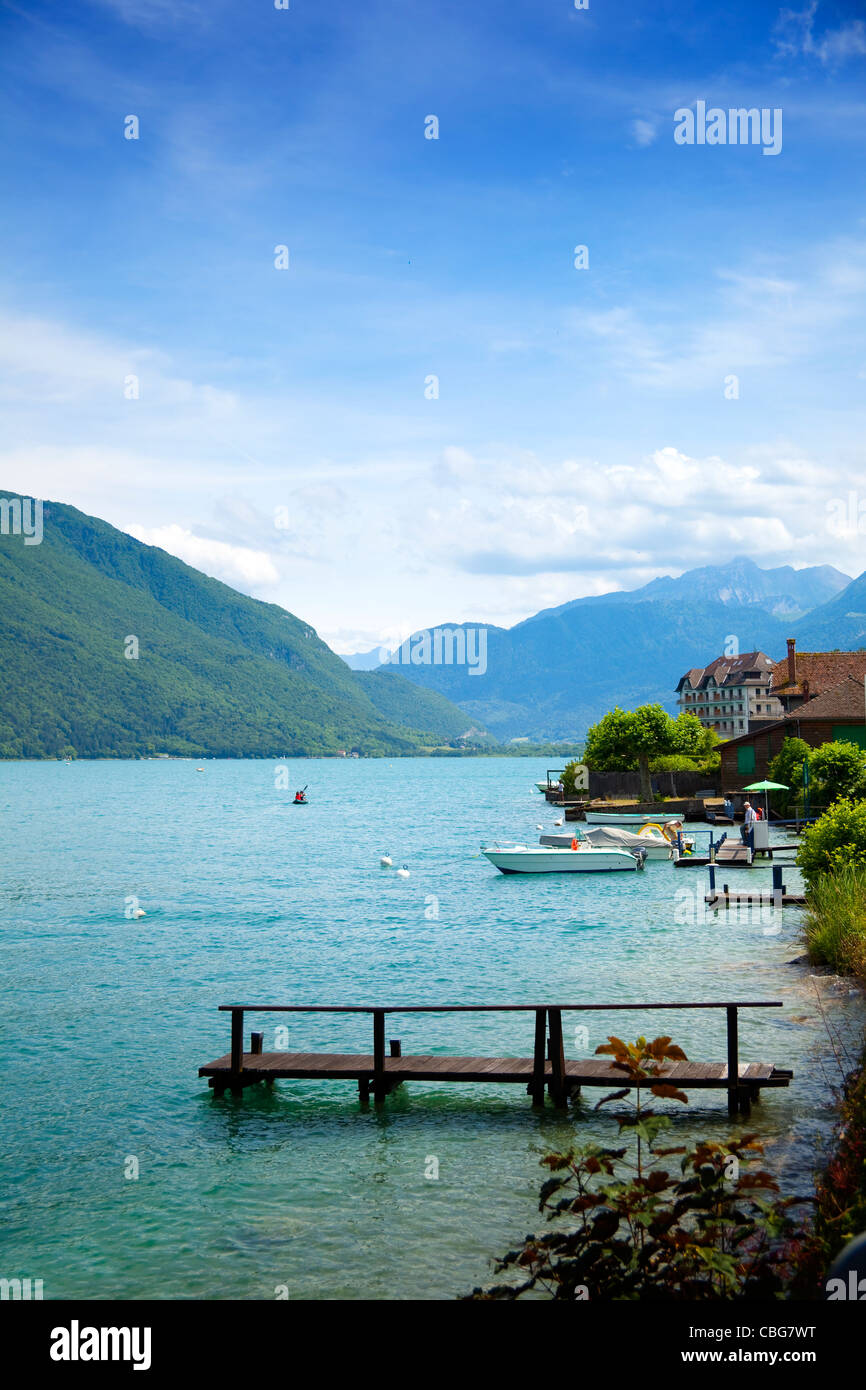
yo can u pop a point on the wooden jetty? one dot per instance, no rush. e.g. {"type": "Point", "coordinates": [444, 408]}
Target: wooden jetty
{"type": "Point", "coordinates": [777, 896]}
{"type": "Point", "coordinates": [547, 1068]}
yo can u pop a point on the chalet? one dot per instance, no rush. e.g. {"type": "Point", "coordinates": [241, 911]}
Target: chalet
{"type": "Point", "coordinates": [838, 713]}
{"type": "Point", "coordinates": [803, 675]}
{"type": "Point", "coordinates": [730, 693]}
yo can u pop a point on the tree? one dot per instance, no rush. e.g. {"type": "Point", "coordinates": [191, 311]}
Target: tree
{"type": "Point", "coordinates": [787, 768]}
{"type": "Point", "coordinates": [839, 768]}
{"type": "Point", "coordinates": [627, 739]}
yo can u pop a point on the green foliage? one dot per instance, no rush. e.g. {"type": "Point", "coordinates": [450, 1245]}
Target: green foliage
{"type": "Point", "coordinates": [835, 920]}
{"type": "Point", "coordinates": [837, 839]}
{"type": "Point", "coordinates": [692, 739]}
{"type": "Point", "coordinates": [572, 774]}
{"type": "Point", "coordinates": [644, 739]}
{"type": "Point", "coordinates": [840, 1213]}
{"type": "Point", "coordinates": [217, 672]}
{"type": "Point", "coordinates": [625, 1227]}
{"type": "Point", "coordinates": [838, 769]}
{"type": "Point", "coordinates": [787, 768]}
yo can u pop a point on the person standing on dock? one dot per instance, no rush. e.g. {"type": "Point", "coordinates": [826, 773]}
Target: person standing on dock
{"type": "Point", "coordinates": [748, 817]}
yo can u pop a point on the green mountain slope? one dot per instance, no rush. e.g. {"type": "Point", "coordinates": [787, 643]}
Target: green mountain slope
{"type": "Point", "coordinates": [216, 673]}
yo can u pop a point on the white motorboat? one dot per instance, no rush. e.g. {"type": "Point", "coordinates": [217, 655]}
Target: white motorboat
{"type": "Point", "coordinates": [541, 859]}
{"type": "Point", "coordinates": [631, 818]}
{"type": "Point", "coordinates": [655, 842]}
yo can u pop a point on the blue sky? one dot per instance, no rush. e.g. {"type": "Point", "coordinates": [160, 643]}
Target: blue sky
{"type": "Point", "coordinates": [582, 439]}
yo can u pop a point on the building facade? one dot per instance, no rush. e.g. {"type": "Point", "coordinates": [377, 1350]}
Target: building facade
{"type": "Point", "coordinates": [837, 714]}
{"type": "Point", "coordinates": [731, 694]}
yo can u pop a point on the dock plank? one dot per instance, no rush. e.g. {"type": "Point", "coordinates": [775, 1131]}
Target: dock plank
{"type": "Point", "coordinates": [585, 1072]}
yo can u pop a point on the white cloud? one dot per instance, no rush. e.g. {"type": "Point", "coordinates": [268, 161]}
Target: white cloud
{"type": "Point", "coordinates": [795, 35]}
{"type": "Point", "coordinates": [250, 570]}
{"type": "Point", "coordinates": [644, 132]}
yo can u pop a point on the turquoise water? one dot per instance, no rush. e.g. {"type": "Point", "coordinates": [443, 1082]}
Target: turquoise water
{"type": "Point", "coordinates": [247, 898]}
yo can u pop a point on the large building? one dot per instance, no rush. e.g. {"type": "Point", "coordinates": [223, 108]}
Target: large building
{"type": "Point", "coordinates": [838, 713]}
{"type": "Point", "coordinates": [731, 693]}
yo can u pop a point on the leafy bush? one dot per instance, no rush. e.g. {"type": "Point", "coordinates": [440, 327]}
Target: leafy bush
{"type": "Point", "coordinates": [837, 839]}
{"type": "Point", "coordinates": [648, 1234]}
{"type": "Point", "coordinates": [678, 762]}
{"type": "Point", "coordinates": [787, 768]}
{"type": "Point", "coordinates": [839, 768]}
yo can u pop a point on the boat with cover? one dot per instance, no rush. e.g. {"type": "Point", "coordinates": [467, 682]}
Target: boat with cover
{"type": "Point", "coordinates": [632, 818]}
{"type": "Point", "coordinates": [579, 857]}
{"type": "Point", "coordinates": [656, 842]}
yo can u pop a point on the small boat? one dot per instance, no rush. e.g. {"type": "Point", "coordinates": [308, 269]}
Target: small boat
{"type": "Point", "coordinates": [549, 786]}
{"type": "Point", "coordinates": [540, 859]}
{"type": "Point", "coordinates": [655, 842]}
{"type": "Point", "coordinates": [300, 797]}
{"type": "Point", "coordinates": [627, 818]}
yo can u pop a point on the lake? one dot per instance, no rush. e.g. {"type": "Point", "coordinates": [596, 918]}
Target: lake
{"type": "Point", "coordinates": [248, 898]}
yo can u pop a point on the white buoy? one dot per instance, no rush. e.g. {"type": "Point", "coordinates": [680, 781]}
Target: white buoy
{"type": "Point", "coordinates": [557, 822]}
{"type": "Point", "coordinates": [139, 912]}
{"type": "Point", "coordinates": [403, 873]}
{"type": "Point", "coordinates": [539, 827]}
{"type": "Point", "coordinates": [386, 861]}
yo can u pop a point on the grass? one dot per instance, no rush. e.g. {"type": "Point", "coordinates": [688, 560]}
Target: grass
{"type": "Point", "coordinates": [835, 921]}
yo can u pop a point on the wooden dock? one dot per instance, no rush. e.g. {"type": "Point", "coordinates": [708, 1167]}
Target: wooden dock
{"type": "Point", "coordinates": [546, 1070]}
{"type": "Point", "coordinates": [777, 896]}
{"type": "Point", "coordinates": [768, 898]}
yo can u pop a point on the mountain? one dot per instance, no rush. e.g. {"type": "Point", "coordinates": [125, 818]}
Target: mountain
{"type": "Point", "coordinates": [784, 592]}
{"type": "Point", "coordinates": [554, 674]}
{"type": "Point", "coordinates": [552, 677]}
{"type": "Point", "coordinates": [364, 661]}
{"type": "Point", "coordinates": [840, 623]}
{"type": "Point", "coordinates": [216, 672]}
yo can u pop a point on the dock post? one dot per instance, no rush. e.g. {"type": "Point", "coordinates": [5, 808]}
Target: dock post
{"type": "Point", "coordinates": [536, 1085]}
{"type": "Point", "coordinates": [237, 1041]}
{"type": "Point", "coordinates": [395, 1047]}
{"type": "Point", "coordinates": [380, 1089]}
{"type": "Point", "coordinates": [558, 1091]}
{"type": "Point", "coordinates": [733, 1061]}
{"type": "Point", "coordinates": [778, 886]}
{"type": "Point", "coordinates": [712, 877]}
{"type": "Point", "coordinates": [256, 1041]}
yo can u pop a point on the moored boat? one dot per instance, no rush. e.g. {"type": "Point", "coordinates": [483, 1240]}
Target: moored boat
{"type": "Point", "coordinates": [655, 842]}
{"type": "Point", "coordinates": [627, 818]}
{"type": "Point", "coordinates": [541, 859]}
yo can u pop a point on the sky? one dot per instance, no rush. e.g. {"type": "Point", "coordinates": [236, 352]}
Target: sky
{"type": "Point", "coordinates": [429, 407]}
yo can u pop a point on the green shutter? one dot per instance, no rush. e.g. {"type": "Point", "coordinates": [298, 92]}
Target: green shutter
{"type": "Point", "coordinates": [746, 759]}
{"type": "Point", "coordinates": [851, 733]}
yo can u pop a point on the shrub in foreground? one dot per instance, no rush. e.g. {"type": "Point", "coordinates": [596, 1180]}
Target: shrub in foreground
{"type": "Point", "coordinates": [623, 1226]}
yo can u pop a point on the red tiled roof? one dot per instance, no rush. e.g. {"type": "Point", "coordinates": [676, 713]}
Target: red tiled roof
{"type": "Point", "coordinates": [846, 700]}
{"type": "Point", "coordinates": [823, 671]}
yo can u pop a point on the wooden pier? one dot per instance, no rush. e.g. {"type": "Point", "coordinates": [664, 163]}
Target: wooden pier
{"type": "Point", "coordinates": [546, 1070]}
{"type": "Point", "coordinates": [777, 896]}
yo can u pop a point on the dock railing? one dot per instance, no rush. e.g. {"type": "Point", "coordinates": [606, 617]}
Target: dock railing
{"type": "Point", "coordinates": [548, 1044]}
